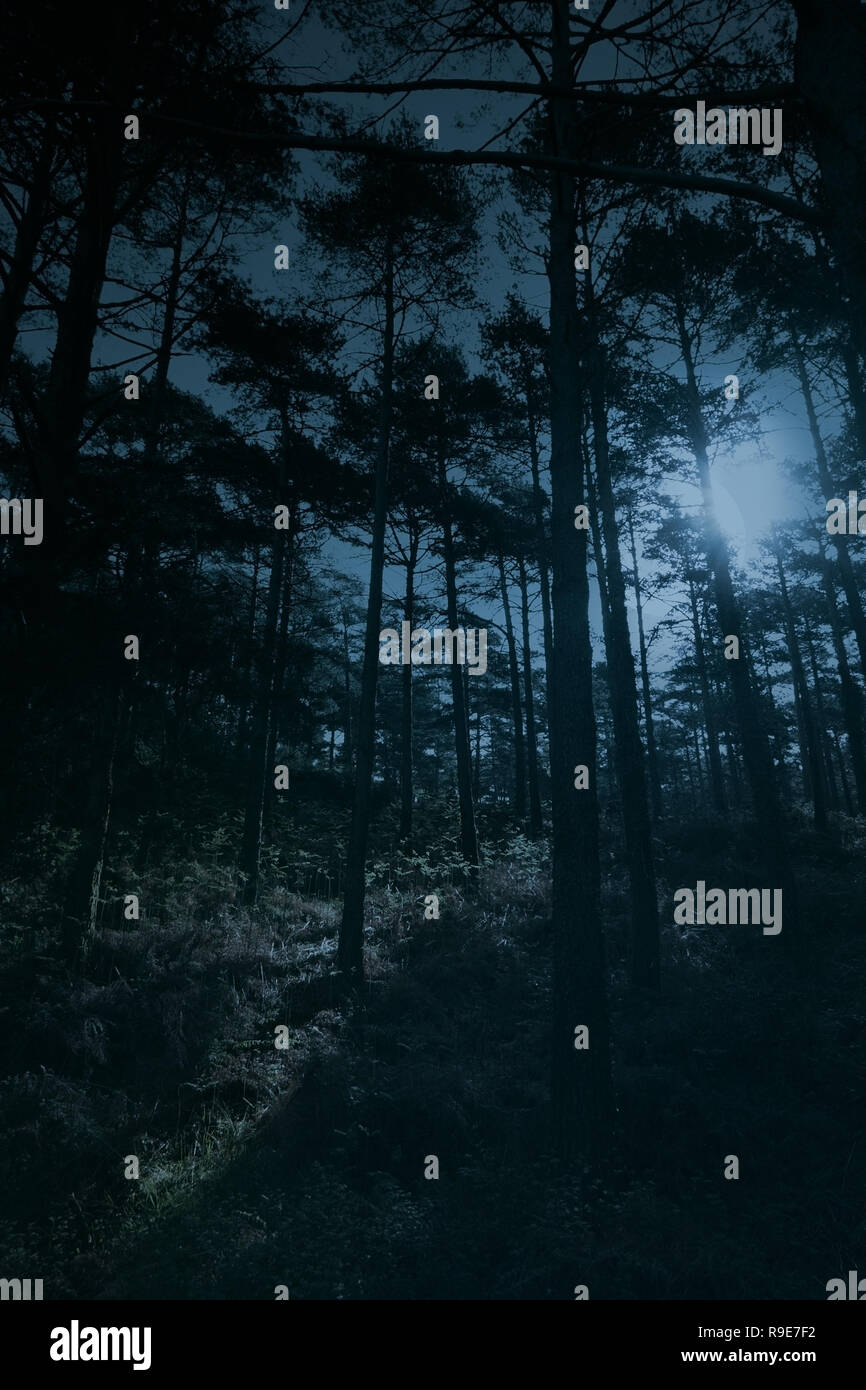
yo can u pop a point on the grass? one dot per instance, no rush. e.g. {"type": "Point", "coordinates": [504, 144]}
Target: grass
{"type": "Point", "coordinates": [305, 1167]}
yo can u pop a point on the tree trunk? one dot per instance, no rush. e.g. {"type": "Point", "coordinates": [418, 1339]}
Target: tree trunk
{"type": "Point", "coordinates": [717, 780]}
{"type": "Point", "coordinates": [652, 753]}
{"type": "Point", "coordinates": [535, 816]}
{"type": "Point", "coordinates": [699, 752]}
{"type": "Point", "coordinates": [645, 971]}
{"type": "Point", "coordinates": [775, 718]}
{"type": "Point", "coordinates": [822, 722]}
{"type": "Point", "coordinates": [27, 236]}
{"type": "Point", "coordinates": [516, 711]}
{"type": "Point", "coordinates": [66, 394]}
{"type": "Point", "coordinates": [843, 775]}
{"type": "Point", "coordinates": [846, 569]}
{"type": "Point", "coordinates": [541, 539]}
{"type": "Point", "coordinates": [166, 340]}
{"type": "Point", "coordinates": [245, 667]}
{"type": "Point", "coordinates": [581, 1080]}
{"type": "Point", "coordinates": [406, 792]}
{"type": "Point", "coordinates": [81, 901]}
{"type": "Point", "coordinates": [348, 737]}
{"type": "Point", "coordinates": [468, 834]}
{"type": "Point", "coordinates": [263, 703]}
{"type": "Point", "coordinates": [813, 751]}
{"type": "Point", "coordinates": [350, 953]}
{"type": "Point", "coordinates": [282, 653]}
{"type": "Point", "coordinates": [830, 72]}
{"type": "Point", "coordinates": [851, 696]}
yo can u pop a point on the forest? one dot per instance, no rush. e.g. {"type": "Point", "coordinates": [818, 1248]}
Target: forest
{"type": "Point", "coordinates": [341, 345]}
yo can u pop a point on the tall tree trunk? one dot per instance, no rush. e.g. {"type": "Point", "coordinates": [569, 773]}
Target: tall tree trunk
{"type": "Point", "coordinates": [27, 236]}
{"type": "Point", "coordinates": [597, 547]}
{"type": "Point", "coordinates": [535, 817]}
{"type": "Point", "coordinates": [66, 395]}
{"type": "Point", "coordinates": [169, 318]}
{"type": "Point", "coordinates": [516, 710]}
{"type": "Point", "coordinates": [611, 776]}
{"type": "Point", "coordinates": [350, 952]}
{"type": "Point", "coordinates": [468, 833]}
{"type": "Point", "coordinates": [652, 752]}
{"type": "Point", "coordinates": [282, 653]}
{"type": "Point", "coordinates": [608, 759]}
{"type": "Point", "coordinates": [699, 752]}
{"type": "Point", "coordinates": [830, 72]}
{"type": "Point", "coordinates": [813, 750]}
{"type": "Point", "coordinates": [716, 777]}
{"type": "Point", "coordinates": [821, 721]}
{"type": "Point", "coordinates": [645, 970]}
{"type": "Point", "coordinates": [847, 337]}
{"type": "Point", "coordinates": [690, 774]}
{"type": "Point", "coordinates": [733, 765]}
{"type": "Point", "coordinates": [82, 896]}
{"type": "Point", "coordinates": [847, 576]}
{"type": "Point", "coordinates": [245, 666]}
{"type": "Point", "coordinates": [851, 696]}
{"type": "Point", "coordinates": [263, 705]}
{"type": "Point", "coordinates": [777, 737]}
{"type": "Point", "coordinates": [676, 778]}
{"type": "Point", "coordinates": [541, 539]}
{"type": "Point", "coordinates": [348, 738]}
{"type": "Point", "coordinates": [843, 775]}
{"type": "Point", "coordinates": [581, 1079]}
{"type": "Point", "coordinates": [406, 791]}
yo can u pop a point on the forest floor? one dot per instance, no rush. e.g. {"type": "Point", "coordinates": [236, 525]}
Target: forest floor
{"type": "Point", "coordinates": [305, 1167]}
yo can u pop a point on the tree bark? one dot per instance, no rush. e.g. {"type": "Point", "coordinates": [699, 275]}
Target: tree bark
{"type": "Point", "coordinates": [830, 73]}
{"type": "Point", "coordinates": [516, 710]}
{"type": "Point", "coordinates": [843, 775]}
{"type": "Point", "coordinates": [263, 705]}
{"type": "Point", "coordinates": [812, 749]}
{"type": "Point", "coordinates": [66, 395]}
{"type": "Point", "coordinates": [645, 968]}
{"type": "Point", "coordinates": [27, 236]}
{"type": "Point", "coordinates": [82, 897]}
{"type": "Point", "coordinates": [581, 1080]}
{"type": "Point", "coordinates": [846, 570]}
{"type": "Point", "coordinates": [652, 751]}
{"type": "Point", "coordinates": [720, 800]}
{"type": "Point", "coordinates": [282, 652]}
{"type": "Point", "coordinates": [406, 721]}
{"type": "Point", "coordinates": [541, 539]}
{"type": "Point", "coordinates": [468, 833]}
{"type": "Point", "coordinates": [822, 722]}
{"type": "Point", "coordinates": [350, 951]}
{"type": "Point", "coordinates": [245, 667]}
{"type": "Point", "coordinates": [851, 696]}
{"type": "Point", "coordinates": [535, 816]}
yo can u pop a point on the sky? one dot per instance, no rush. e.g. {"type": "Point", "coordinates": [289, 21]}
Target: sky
{"type": "Point", "coordinates": [751, 489]}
